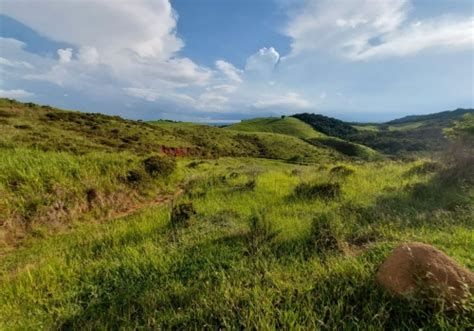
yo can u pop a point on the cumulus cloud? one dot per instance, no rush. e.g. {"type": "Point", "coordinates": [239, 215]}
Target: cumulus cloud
{"type": "Point", "coordinates": [65, 55]}
{"type": "Point", "coordinates": [262, 61]}
{"type": "Point", "coordinates": [121, 44]}
{"type": "Point", "coordinates": [365, 28]}
{"type": "Point", "coordinates": [15, 94]}
{"type": "Point", "coordinates": [142, 93]}
{"type": "Point", "coordinates": [88, 55]}
{"type": "Point", "coordinates": [228, 69]}
{"type": "Point", "coordinates": [446, 34]}
{"type": "Point", "coordinates": [290, 101]}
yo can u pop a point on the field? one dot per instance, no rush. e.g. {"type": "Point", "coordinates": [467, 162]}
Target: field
{"type": "Point", "coordinates": [91, 239]}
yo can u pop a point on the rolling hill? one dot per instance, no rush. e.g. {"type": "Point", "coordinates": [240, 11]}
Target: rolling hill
{"type": "Point", "coordinates": [102, 229]}
{"type": "Point", "coordinates": [422, 134]}
{"type": "Point", "coordinates": [50, 129]}
{"type": "Point", "coordinates": [285, 125]}
{"type": "Point", "coordinates": [295, 127]}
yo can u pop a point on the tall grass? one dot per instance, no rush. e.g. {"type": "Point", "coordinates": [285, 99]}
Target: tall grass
{"type": "Point", "coordinates": [248, 261]}
{"type": "Point", "coordinates": [54, 188]}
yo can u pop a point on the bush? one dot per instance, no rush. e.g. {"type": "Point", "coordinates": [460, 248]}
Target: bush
{"type": "Point", "coordinates": [134, 177]}
{"type": "Point", "coordinates": [325, 234]}
{"type": "Point", "coordinates": [23, 126]}
{"type": "Point", "coordinates": [261, 232]}
{"type": "Point", "coordinates": [325, 191]}
{"type": "Point", "coordinates": [342, 171]}
{"type": "Point", "coordinates": [183, 214]}
{"type": "Point", "coordinates": [157, 166]}
{"type": "Point", "coordinates": [424, 168]}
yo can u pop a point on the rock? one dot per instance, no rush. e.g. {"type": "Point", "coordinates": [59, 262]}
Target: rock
{"type": "Point", "coordinates": [421, 268]}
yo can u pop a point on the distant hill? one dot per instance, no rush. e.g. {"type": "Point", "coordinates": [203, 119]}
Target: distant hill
{"type": "Point", "coordinates": [284, 125]}
{"type": "Point", "coordinates": [51, 129]}
{"type": "Point", "coordinates": [327, 125]}
{"type": "Point", "coordinates": [295, 127]}
{"type": "Point", "coordinates": [444, 115]}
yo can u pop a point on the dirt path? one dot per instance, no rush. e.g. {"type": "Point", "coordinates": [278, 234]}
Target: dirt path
{"type": "Point", "coordinates": [159, 200]}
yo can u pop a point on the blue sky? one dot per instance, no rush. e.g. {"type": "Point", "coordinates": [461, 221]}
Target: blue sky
{"type": "Point", "coordinates": [225, 60]}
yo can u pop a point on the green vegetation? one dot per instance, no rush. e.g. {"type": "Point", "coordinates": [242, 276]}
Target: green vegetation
{"type": "Point", "coordinates": [51, 129]}
{"type": "Point", "coordinates": [242, 230]}
{"type": "Point", "coordinates": [327, 125]}
{"type": "Point", "coordinates": [285, 125]}
{"type": "Point", "coordinates": [422, 134]}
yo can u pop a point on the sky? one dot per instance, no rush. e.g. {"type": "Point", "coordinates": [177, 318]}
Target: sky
{"type": "Point", "coordinates": [227, 60]}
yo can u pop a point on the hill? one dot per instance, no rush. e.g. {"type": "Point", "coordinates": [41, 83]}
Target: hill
{"type": "Point", "coordinates": [50, 129]}
{"type": "Point", "coordinates": [295, 127]}
{"type": "Point", "coordinates": [422, 134]}
{"type": "Point", "coordinates": [285, 125]}
{"type": "Point", "coordinates": [102, 228]}
{"type": "Point", "coordinates": [327, 125]}
{"type": "Point", "coordinates": [448, 115]}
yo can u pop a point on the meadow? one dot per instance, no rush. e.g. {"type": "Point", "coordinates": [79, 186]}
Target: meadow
{"type": "Point", "coordinates": [106, 239]}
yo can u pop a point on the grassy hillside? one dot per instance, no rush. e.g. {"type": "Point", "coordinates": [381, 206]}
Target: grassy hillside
{"type": "Point", "coordinates": [251, 257]}
{"type": "Point", "coordinates": [423, 135]}
{"type": "Point", "coordinates": [54, 160]}
{"type": "Point", "coordinates": [295, 127]}
{"type": "Point", "coordinates": [50, 129]}
{"type": "Point", "coordinates": [449, 115]}
{"type": "Point", "coordinates": [347, 148]}
{"type": "Point", "coordinates": [101, 228]}
{"type": "Point", "coordinates": [327, 125]}
{"type": "Point", "coordinates": [285, 125]}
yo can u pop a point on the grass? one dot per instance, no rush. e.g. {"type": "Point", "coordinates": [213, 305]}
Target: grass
{"type": "Point", "coordinates": [269, 232]}
{"type": "Point", "coordinates": [50, 129]}
{"type": "Point", "coordinates": [141, 272]}
{"type": "Point", "coordinates": [286, 125]}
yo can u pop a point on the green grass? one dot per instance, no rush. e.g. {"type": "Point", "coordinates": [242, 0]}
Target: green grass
{"type": "Point", "coordinates": [50, 129]}
{"type": "Point", "coordinates": [140, 272]}
{"type": "Point", "coordinates": [349, 149]}
{"type": "Point", "coordinates": [287, 125]}
{"type": "Point", "coordinates": [259, 253]}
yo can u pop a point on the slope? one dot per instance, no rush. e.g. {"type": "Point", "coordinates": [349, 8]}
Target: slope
{"type": "Point", "coordinates": [285, 125]}
{"type": "Point", "coordinates": [50, 129]}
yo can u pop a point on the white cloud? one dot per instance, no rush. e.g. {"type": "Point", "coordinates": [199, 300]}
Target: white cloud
{"type": "Point", "coordinates": [229, 71]}
{"type": "Point", "coordinates": [444, 34]}
{"type": "Point", "coordinates": [121, 44]}
{"type": "Point", "coordinates": [65, 55]}
{"type": "Point", "coordinates": [146, 94]}
{"type": "Point", "coordinates": [15, 64]}
{"type": "Point", "coordinates": [264, 60]}
{"type": "Point", "coordinates": [290, 101]}
{"type": "Point", "coordinates": [88, 55]}
{"type": "Point", "coordinates": [366, 28]}
{"type": "Point", "coordinates": [15, 94]}
{"type": "Point", "coordinates": [144, 27]}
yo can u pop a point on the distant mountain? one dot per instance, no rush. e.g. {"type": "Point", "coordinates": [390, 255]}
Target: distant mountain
{"type": "Point", "coordinates": [444, 115]}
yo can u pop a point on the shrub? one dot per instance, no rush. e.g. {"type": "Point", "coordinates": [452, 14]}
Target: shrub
{"type": "Point", "coordinates": [325, 191]}
{"type": "Point", "coordinates": [23, 126]}
{"type": "Point", "coordinates": [424, 168]}
{"type": "Point", "coordinates": [194, 164]}
{"type": "Point", "coordinates": [183, 214]}
{"type": "Point", "coordinates": [159, 166]}
{"type": "Point", "coordinates": [4, 113]}
{"type": "Point", "coordinates": [325, 234]}
{"type": "Point", "coordinates": [261, 232]}
{"type": "Point", "coordinates": [342, 171]}
{"type": "Point", "coordinates": [134, 177]}
{"type": "Point", "coordinates": [295, 159]}
{"type": "Point", "coordinates": [91, 195]}
{"type": "Point", "coordinates": [250, 185]}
